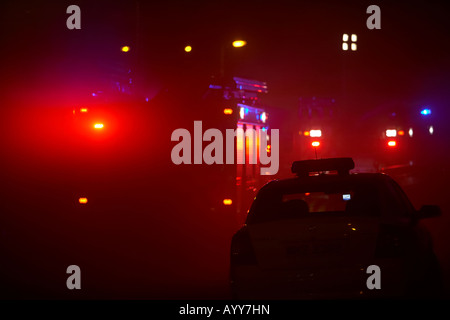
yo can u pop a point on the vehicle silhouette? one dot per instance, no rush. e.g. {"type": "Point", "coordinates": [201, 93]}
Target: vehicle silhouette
{"type": "Point", "coordinates": [315, 235]}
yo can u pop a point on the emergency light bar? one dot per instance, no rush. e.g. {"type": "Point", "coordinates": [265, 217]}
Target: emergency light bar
{"type": "Point", "coordinates": [252, 115]}
{"type": "Point", "coordinates": [250, 85]}
{"type": "Point", "coordinates": [341, 165]}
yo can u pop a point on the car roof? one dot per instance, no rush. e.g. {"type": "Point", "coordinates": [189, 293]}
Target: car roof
{"type": "Point", "coordinates": [363, 178]}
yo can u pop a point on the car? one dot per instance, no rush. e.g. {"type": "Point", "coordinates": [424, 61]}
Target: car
{"type": "Point", "coordinates": [318, 236]}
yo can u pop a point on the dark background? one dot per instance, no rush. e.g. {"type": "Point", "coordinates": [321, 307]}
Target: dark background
{"type": "Point", "coordinates": [295, 46]}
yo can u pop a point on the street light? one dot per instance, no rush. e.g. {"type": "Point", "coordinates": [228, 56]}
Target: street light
{"type": "Point", "coordinates": [125, 49]}
{"type": "Point", "coordinates": [239, 43]}
{"type": "Point", "coordinates": [188, 48]}
{"type": "Point", "coordinates": [353, 38]}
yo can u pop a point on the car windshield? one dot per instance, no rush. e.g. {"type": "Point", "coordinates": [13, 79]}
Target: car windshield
{"type": "Point", "coordinates": [317, 199]}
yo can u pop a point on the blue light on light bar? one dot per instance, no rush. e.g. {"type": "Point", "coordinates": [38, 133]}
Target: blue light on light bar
{"type": "Point", "coordinates": [425, 112]}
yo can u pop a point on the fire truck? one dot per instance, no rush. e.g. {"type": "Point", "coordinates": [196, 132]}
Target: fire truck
{"type": "Point", "coordinates": [236, 105]}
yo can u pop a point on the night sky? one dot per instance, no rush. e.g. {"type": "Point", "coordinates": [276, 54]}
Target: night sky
{"type": "Point", "coordinates": [295, 46]}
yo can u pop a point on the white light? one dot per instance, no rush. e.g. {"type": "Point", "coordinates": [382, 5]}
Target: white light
{"type": "Point", "coordinates": [345, 46]}
{"type": "Point", "coordinates": [391, 133]}
{"type": "Point", "coordinates": [315, 133]}
{"type": "Point", "coordinates": [431, 130]}
{"type": "Point", "coordinates": [354, 38]}
{"type": "Point", "coordinates": [242, 112]}
{"type": "Point", "coordinates": [346, 197]}
{"type": "Point", "coordinates": [353, 46]}
{"type": "Point", "coordinates": [345, 37]}
{"type": "Point", "coordinates": [263, 117]}
{"type": "Point", "coordinates": [410, 132]}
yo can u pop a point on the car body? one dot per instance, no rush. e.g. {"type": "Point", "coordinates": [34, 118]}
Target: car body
{"type": "Point", "coordinates": [314, 236]}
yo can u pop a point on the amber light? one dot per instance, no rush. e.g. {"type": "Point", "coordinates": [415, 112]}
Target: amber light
{"type": "Point", "coordinates": [401, 133]}
{"type": "Point", "coordinates": [228, 111]}
{"type": "Point", "coordinates": [227, 202]}
{"type": "Point", "coordinates": [83, 200]}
